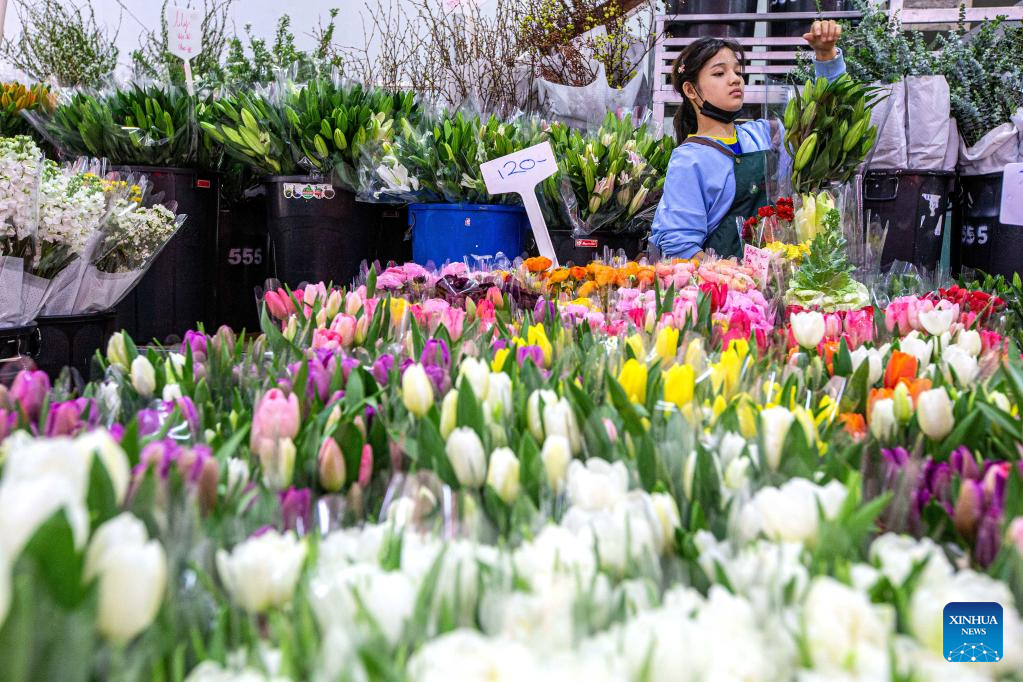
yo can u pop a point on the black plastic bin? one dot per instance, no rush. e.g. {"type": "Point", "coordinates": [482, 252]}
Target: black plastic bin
{"type": "Point", "coordinates": [913, 204]}
{"type": "Point", "coordinates": [72, 340]}
{"type": "Point", "coordinates": [175, 294]}
{"type": "Point", "coordinates": [795, 29]}
{"type": "Point", "coordinates": [243, 263]}
{"type": "Point", "coordinates": [584, 250]}
{"type": "Point", "coordinates": [979, 238]}
{"type": "Point", "coordinates": [18, 342]}
{"type": "Point", "coordinates": [317, 233]}
{"type": "Point", "coordinates": [390, 223]}
{"type": "Point", "coordinates": [729, 29]}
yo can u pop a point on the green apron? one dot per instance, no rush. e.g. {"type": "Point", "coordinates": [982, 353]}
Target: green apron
{"type": "Point", "coordinates": [750, 196]}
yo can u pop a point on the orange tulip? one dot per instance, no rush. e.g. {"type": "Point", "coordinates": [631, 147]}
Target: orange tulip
{"type": "Point", "coordinates": [854, 425]}
{"type": "Point", "coordinates": [830, 348]}
{"type": "Point", "coordinates": [875, 395]}
{"type": "Point", "coordinates": [916, 386]}
{"type": "Point", "coordinates": [900, 365]}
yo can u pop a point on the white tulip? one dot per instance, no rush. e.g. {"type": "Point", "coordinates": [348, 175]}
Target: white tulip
{"type": "Point", "coordinates": [667, 516]}
{"type": "Point", "coordinates": [278, 464]}
{"type": "Point", "coordinates": [917, 347]}
{"type": "Point", "coordinates": [534, 415]}
{"type": "Point", "coordinates": [874, 365]}
{"type": "Point", "coordinates": [934, 413]}
{"type": "Point", "coordinates": [416, 390]}
{"type": "Point", "coordinates": [807, 328]}
{"type": "Point", "coordinates": [449, 413]}
{"type": "Point", "coordinates": [969, 341]}
{"type": "Point", "coordinates": [730, 447]}
{"type": "Point", "coordinates": [882, 419]}
{"type": "Point", "coordinates": [237, 475]}
{"type": "Point", "coordinates": [503, 474]}
{"type": "Point", "coordinates": [940, 319]}
{"type": "Point", "coordinates": [477, 373]}
{"type": "Point", "coordinates": [465, 452]}
{"type": "Point", "coordinates": [556, 455]}
{"type": "Point", "coordinates": [28, 504]}
{"type": "Point", "coordinates": [143, 377]}
{"type": "Point", "coordinates": [117, 351]}
{"type": "Point", "coordinates": [598, 484]}
{"type": "Point", "coordinates": [132, 575]}
{"type": "Point", "coordinates": [737, 474]}
{"type": "Point", "coordinates": [775, 422]}
{"type": "Point", "coordinates": [498, 403]}
{"type": "Point", "coordinates": [559, 419]}
{"type": "Point", "coordinates": [845, 632]}
{"type": "Point", "coordinates": [171, 392]}
{"type": "Point", "coordinates": [790, 513]}
{"type": "Point", "coordinates": [1000, 400]}
{"type": "Point", "coordinates": [262, 572]}
{"type": "Point", "coordinates": [100, 443]}
{"type": "Point", "coordinates": [962, 363]}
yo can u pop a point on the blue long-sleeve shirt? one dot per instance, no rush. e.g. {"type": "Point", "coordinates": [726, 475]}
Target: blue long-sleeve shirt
{"type": "Point", "coordinates": [700, 183]}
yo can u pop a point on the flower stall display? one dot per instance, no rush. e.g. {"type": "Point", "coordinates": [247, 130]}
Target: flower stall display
{"type": "Point", "coordinates": [825, 276]}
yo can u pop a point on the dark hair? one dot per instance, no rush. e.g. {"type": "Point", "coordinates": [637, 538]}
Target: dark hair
{"type": "Point", "coordinates": [686, 68]}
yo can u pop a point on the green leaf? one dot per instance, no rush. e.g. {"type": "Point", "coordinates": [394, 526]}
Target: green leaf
{"type": "Point", "coordinates": [52, 547]}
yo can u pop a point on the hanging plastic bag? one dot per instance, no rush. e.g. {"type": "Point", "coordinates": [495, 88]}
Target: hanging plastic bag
{"type": "Point", "coordinates": [997, 148]}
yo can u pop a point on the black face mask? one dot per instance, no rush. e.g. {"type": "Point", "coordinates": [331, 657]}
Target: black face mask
{"type": "Point", "coordinates": [716, 113]}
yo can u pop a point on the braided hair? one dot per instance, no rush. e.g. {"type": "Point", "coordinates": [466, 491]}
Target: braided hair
{"type": "Point", "coordinates": [686, 68]}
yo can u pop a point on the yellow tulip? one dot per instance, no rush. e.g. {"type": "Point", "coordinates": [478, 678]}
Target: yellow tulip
{"type": "Point", "coordinates": [667, 344]}
{"type": "Point", "coordinates": [696, 357]}
{"type": "Point", "coordinates": [398, 308]}
{"type": "Point", "coordinates": [633, 380]}
{"type": "Point", "coordinates": [635, 342]}
{"type": "Point", "coordinates": [537, 336]}
{"type": "Point", "coordinates": [497, 364]}
{"type": "Point", "coordinates": [679, 383]}
{"type": "Point", "coordinates": [724, 375]}
{"type": "Point", "coordinates": [747, 419]}
{"type": "Point", "coordinates": [739, 347]}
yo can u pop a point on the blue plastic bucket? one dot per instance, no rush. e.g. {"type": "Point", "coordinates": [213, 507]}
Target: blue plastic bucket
{"type": "Point", "coordinates": [452, 232]}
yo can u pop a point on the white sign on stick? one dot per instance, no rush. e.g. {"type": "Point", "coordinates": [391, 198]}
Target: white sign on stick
{"type": "Point", "coordinates": [184, 37]}
{"type": "Point", "coordinates": [520, 173]}
{"type": "Point", "coordinates": [1012, 195]}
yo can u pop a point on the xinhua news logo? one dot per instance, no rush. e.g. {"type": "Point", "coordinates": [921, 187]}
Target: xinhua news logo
{"type": "Point", "coordinates": [973, 632]}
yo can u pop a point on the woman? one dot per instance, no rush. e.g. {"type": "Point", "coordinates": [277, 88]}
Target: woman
{"type": "Point", "coordinates": [716, 174]}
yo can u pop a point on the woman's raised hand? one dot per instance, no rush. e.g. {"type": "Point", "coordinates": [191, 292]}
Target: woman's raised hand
{"type": "Point", "coordinates": [823, 37]}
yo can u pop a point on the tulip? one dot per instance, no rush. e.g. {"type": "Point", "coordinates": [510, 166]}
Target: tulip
{"type": "Point", "coordinates": [1013, 538]}
{"type": "Point", "coordinates": [453, 319]}
{"type": "Point", "coordinates": [556, 455]}
{"type": "Point", "coordinates": [968, 508]}
{"type": "Point", "coordinates": [448, 413]}
{"type": "Point", "coordinates": [970, 341]}
{"type": "Point", "coordinates": [965, 366]}
{"type": "Point", "coordinates": [902, 406]}
{"type": "Point", "coordinates": [197, 342]}
{"type": "Point", "coordinates": [938, 320]}
{"type": "Point", "coordinates": [237, 476]}
{"type": "Point", "coordinates": [679, 385]}
{"type": "Point", "coordinates": [117, 351]}
{"type": "Point", "coordinates": [668, 518]}
{"type": "Point", "coordinates": [143, 377]}
{"type": "Point", "coordinates": [882, 419]}
{"type": "Point", "coordinates": [917, 347]}
{"type": "Point", "coordinates": [498, 401]}
{"type": "Point", "coordinates": [276, 416]}
{"type": "Point", "coordinates": [900, 366]}
{"type": "Point", "coordinates": [365, 466]}
{"type": "Point", "coordinates": [934, 413]}
{"type": "Point", "coordinates": [296, 509]}
{"type": "Point", "coordinates": [132, 575]}
{"type": "Point", "coordinates": [29, 390]}
{"type": "Point", "coordinates": [635, 343]}
{"type": "Point", "coordinates": [344, 325]}
{"type": "Point", "coordinates": [873, 358]}
{"type": "Point", "coordinates": [278, 464]}
{"type": "Point", "coordinates": [696, 357]}
{"type": "Point", "coordinates": [331, 465]}
{"type": "Point", "coordinates": [262, 572]}
{"type": "Point", "coordinates": [666, 345]}
{"type": "Point", "coordinates": [503, 474]}
{"type": "Point", "coordinates": [633, 380]}
{"type": "Point", "coordinates": [775, 424]}
{"type": "Point", "coordinates": [478, 375]}
{"type": "Point", "coordinates": [465, 451]}
{"type": "Point", "coordinates": [559, 419]}
{"type": "Point", "coordinates": [381, 369]}
{"type": "Point", "coordinates": [416, 390]}
{"type": "Point", "coordinates": [534, 415]}
{"type": "Point", "coordinates": [808, 328]}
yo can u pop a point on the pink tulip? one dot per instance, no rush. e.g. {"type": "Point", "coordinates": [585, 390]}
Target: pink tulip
{"type": "Point", "coordinates": [832, 325]}
{"type": "Point", "coordinates": [279, 304]}
{"type": "Point", "coordinates": [331, 465]}
{"type": "Point", "coordinates": [366, 465]}
{"type": "Point", "coordinates": [344, 325]}
{"type": "Point", "coordinates": [29, 391]}
{"type": "Point", "coordinates": [327, 339]}
{"type": "Point", "coordinates": [859, 325]}
{"type": "Point", "coordinates": [276, 417]}
{"type": "Point", "coordinates": [314, 293]}
{"type": "Point", "coordinates": [453, 320]}
{"type": "Point", "coordinates": [8, 420]}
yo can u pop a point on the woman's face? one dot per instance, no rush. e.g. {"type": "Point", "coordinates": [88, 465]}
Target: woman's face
{"type": "Point", "coordinates": [720, 81]}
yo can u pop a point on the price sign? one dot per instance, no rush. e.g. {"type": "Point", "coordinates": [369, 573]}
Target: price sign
{"type": "Point", "coordinates": [1012, 195]}
{"type": "Point", "coordinates": [520, 173]}
{"type": "Point", "coordinates": [184, 37]}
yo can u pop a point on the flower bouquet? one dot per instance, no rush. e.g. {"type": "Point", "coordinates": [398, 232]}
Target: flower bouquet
{"type": "Point", "coordinates": [824, 279]}
{"type": "Point", "coordinates": [16, 98]}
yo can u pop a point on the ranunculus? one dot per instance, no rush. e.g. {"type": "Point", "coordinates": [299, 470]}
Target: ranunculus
{"type": "Point", "coordinates": [934, 413]}
{"type": "Point", "coordinates": [503, 474]}
{"type": "Point", "coordinates": [775, 424]}
{"type": "Point", "coordinates": [416, 390]}
{"type": "Point", "coordinates": [465, 451]}
{"type": "Point", "coordinates": [807, 328]}
{"type": "Point", "coordinates": [262, 572]}
{"type": "Point", "coordinates": [132, 574]}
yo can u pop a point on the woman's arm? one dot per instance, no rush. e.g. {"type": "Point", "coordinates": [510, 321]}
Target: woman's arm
{"type": "Point", "coordinates": [681, 222]}
{"type": "Point", "coordinates": [823, 38]}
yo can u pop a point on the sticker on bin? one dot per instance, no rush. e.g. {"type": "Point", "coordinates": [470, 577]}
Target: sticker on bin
{"type": "Point", "coordinates": [586, 243]}
{"type": "Point", "coordinates": [520, 173]}
{"type": "Point", "coordinates": [298, 190]}
{"type": "Point", "coordinates": [1012, 195]}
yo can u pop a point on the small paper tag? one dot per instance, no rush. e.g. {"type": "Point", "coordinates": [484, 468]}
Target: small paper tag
{"type": "Point", "coordinates": [759, 260]}
{"type": "Point", "coordinates": [1012, 195]}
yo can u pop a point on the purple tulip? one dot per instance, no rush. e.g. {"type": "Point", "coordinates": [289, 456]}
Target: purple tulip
{"type": "Point", "coordinates": [382, 367]}
{"type": "Point", "coordinates": [29, 390]}
{"type": "Point", "coordinates": [159, 454]}
{"type": "Point", "coordinates": [296, 509]}
{"type": "Point", "coordinates": [989, 537]}
{"type": "Point", "coordinates": [534, 353]}
{"type": "Point", "coordinates": [8, 420]}
{"type": "Point", "coordinates": [542, 309]}
{"type": "Point", "coordinates": [65, 419]}
{"type": "Point", "coordinates": [347, 366]}
{"type": "Point", "coordinates": [149, 422]}
{"type": "Point", "coordinates": [440, 379]}
{"type": "Point", "coordinates": [197, 342]}
{"type": "Point", "coordinates": [964, 463]}
{"type": "Point", "coordinates": [436, 354]}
